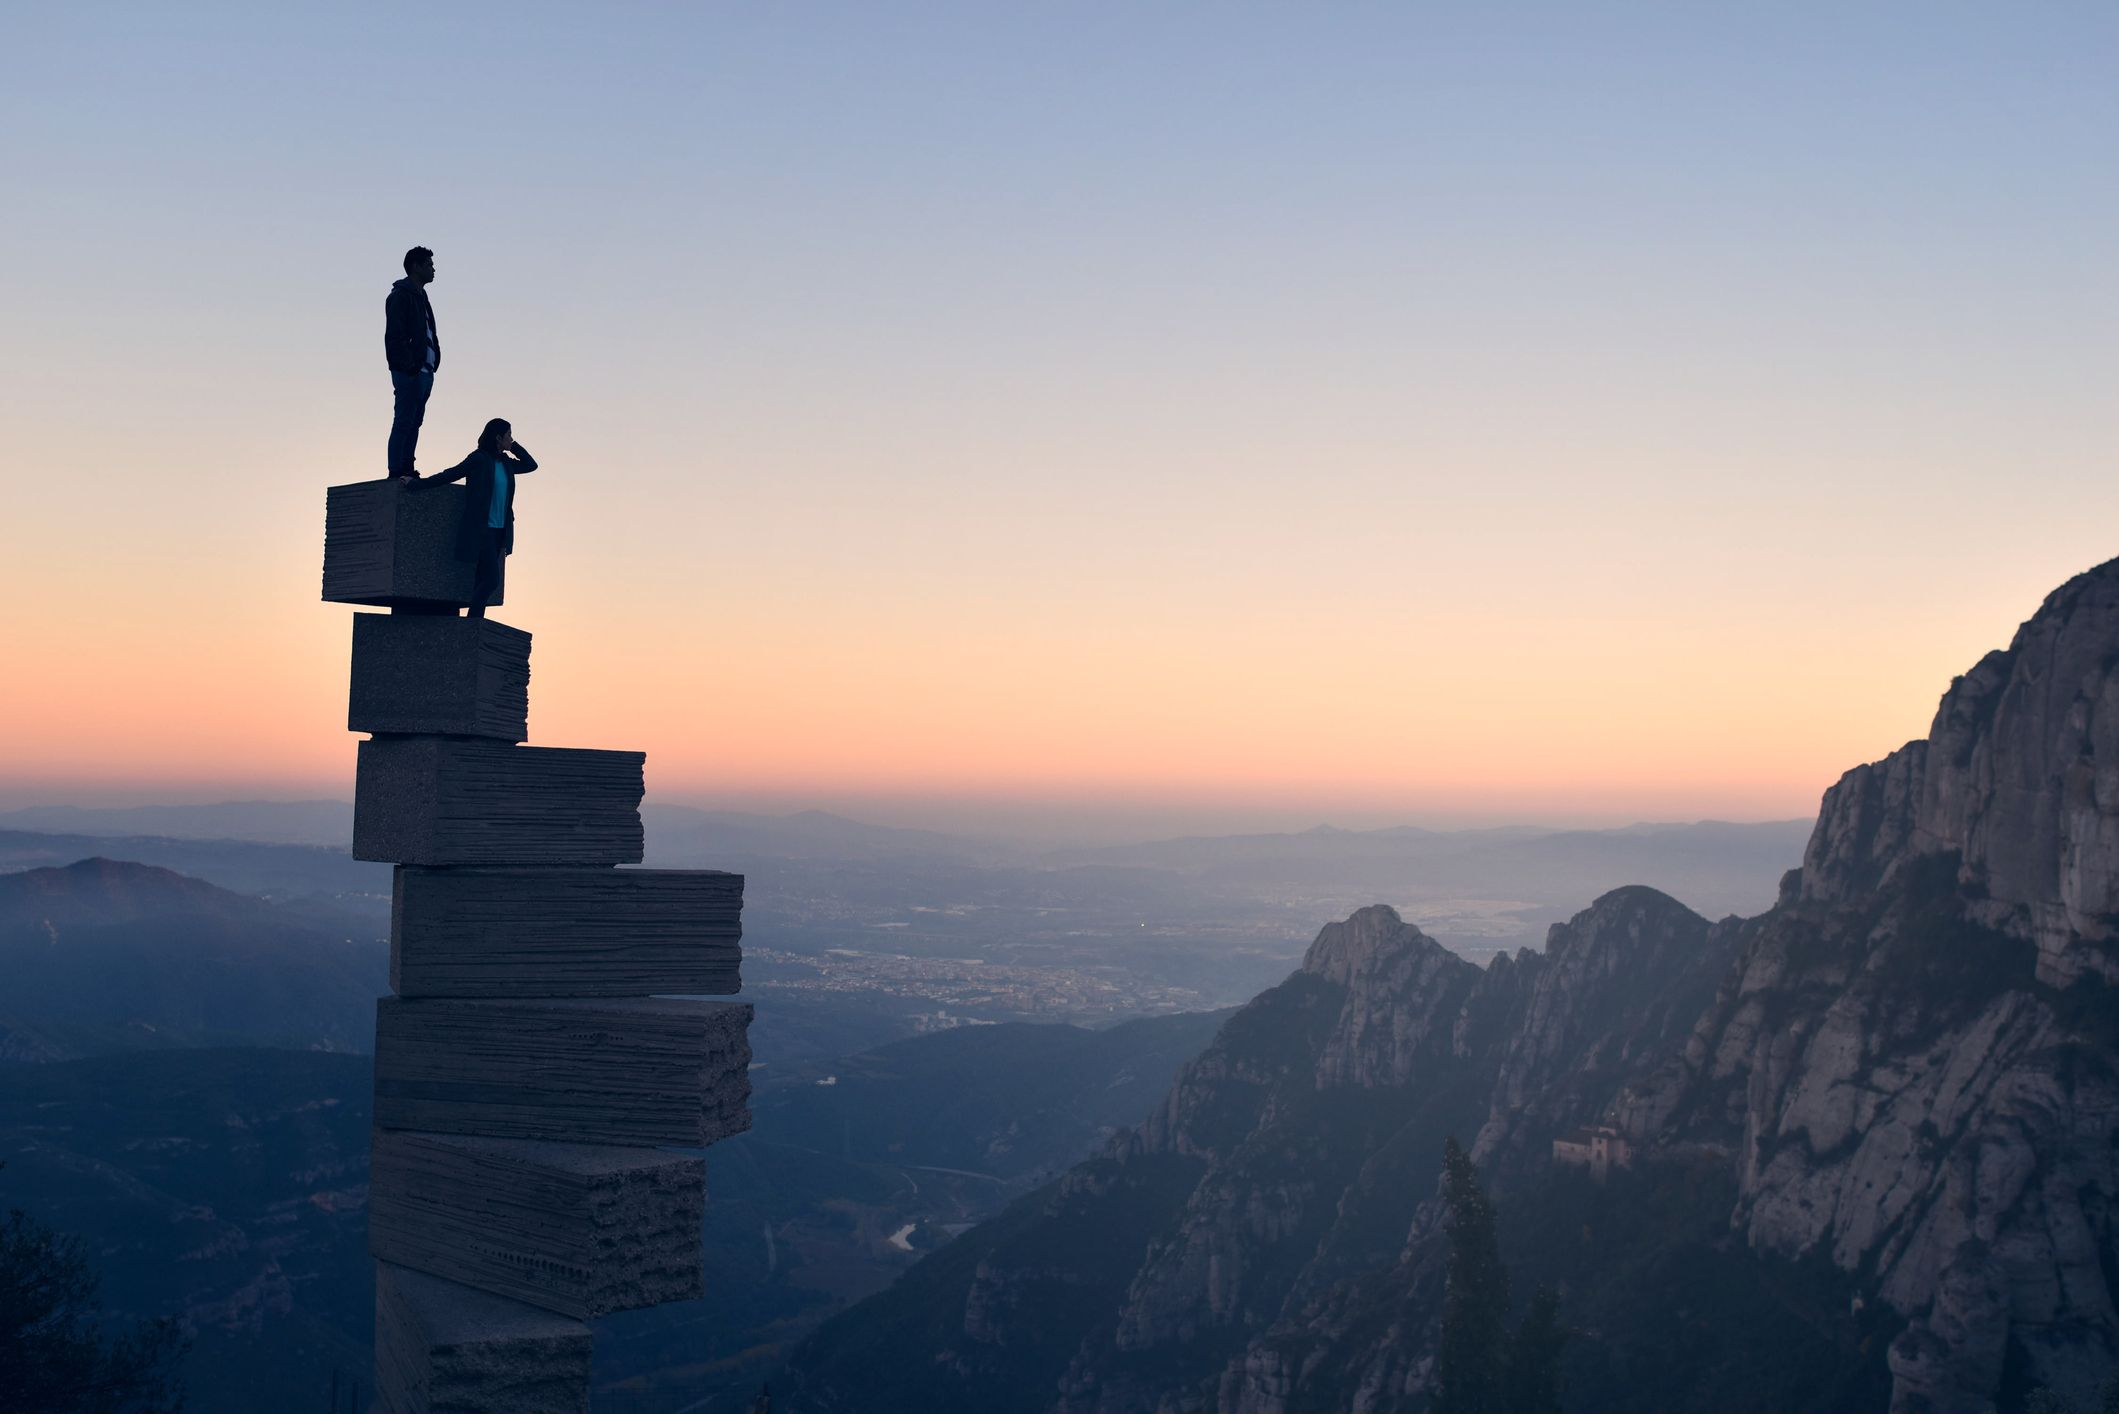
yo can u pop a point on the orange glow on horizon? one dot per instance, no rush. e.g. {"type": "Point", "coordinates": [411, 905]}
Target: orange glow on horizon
{"type": "Point", "coordinates": [1586, 714]}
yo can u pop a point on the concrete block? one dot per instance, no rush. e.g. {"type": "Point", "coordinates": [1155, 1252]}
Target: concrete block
{"type": "Point", "coordinates": [453, 800]}
{"type": "Point", "coordinates": [648, 1070]}
{"type": "Point", "coordinates": [393, 547]}
{"type": "Point", "coordinates": [439, 674]}
{"type": "Point", "coordinates": [565, 932]}
{"type": "Point", "coordinates": [441, 1348]}
{"type": "Point", "coordinates": [580, 1229]}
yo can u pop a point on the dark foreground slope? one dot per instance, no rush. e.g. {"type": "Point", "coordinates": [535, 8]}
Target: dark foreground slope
{"type": "Point", "coordinates": [228, 1189]}
{"type": "Point", "coordinates": [837, 1188]}
{"type": "Point", "coordinates": [1877, 1131]}
{"type": "Point", "coordinates": [224, 1188]}
{"type": "Point", "coordinates": [1009, 1101]}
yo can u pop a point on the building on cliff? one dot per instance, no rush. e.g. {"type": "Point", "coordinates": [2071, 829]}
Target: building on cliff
{"type": "Point", "coordinates": [1596, 1147]}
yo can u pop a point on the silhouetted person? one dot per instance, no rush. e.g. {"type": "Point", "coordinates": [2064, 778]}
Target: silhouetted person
{"type": "Point", "coordinates": [414, 351]}
{"type": "Point", "coordinates": [487, 531]}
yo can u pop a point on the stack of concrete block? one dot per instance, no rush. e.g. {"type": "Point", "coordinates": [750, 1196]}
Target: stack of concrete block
{"type": "Point", "coordinates": [544, 1048]}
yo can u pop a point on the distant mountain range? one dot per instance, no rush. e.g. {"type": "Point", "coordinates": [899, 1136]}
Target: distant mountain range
{"type": "Point", "coordinates": [1477, 890]}
{"type": "Point", "coordinates": [680, 832]}
{"type": "Point", "coordinates": [105, 954]}
{"type": "Point", "coordinates": [246, 866]}
{"type": "Point", "coordinates": [674, 828]}
{"type": "Point", "coordinates": [1716, 867]}
{"type": "Point", "coordinates": [321, 822]}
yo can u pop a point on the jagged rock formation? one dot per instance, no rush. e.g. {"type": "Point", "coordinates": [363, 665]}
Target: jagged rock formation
{"type": "Point", "coordinates": [2018, 780]}
{"type": "Point", "coordinates": [1879, 1125]}
{"type": "Point", "coordinates": [524, 1069]}
{"type": "Point", "coordinates": [1913, 1062]}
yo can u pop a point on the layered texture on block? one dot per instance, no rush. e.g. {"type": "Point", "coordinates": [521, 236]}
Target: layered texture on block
{"type": "Point", "coordinates": [445, 1348]}
{"type": "Point", "coordinates": [580, 1229]}
{"type": "Point", "coordinates": [653, 1070]}
{"type": "Point", "coordinates": [454, 800]}
{"type": "Point", "coordinates": [394, 546]}
{"type": "Point", "coordinates": [559, 932]}
{"type": "Point", "coordinates": [440, 675]}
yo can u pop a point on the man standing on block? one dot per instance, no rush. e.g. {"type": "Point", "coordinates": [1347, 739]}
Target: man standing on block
{"type": "Point", "coordinates": [414, 351]}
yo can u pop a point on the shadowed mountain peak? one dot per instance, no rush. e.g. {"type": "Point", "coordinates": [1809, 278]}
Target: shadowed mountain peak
{"type": "Point", "coordinates": [100, 891]}
{"type": "Point", "coordinates": [1372, 939]}
{"type": "Point", "coordinates": [107, 954]}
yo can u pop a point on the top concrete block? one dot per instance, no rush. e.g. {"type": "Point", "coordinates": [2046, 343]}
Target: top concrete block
{"type": "Point", "coordinates": [394, 547]}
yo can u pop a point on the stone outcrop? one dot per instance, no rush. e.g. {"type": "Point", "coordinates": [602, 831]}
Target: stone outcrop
{"type": "Point", "coordinates": [1901, 1096]}
{"type": "Point", "coordinates": [531, 1059]}
{"type": "Point", "coordinates": [1381, 961]}
{"type": "Point", "coordinates": [2018, 780]}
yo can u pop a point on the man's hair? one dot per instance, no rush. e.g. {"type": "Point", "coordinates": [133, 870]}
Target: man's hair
{"type": "Point", "coordinates": [415, 255]}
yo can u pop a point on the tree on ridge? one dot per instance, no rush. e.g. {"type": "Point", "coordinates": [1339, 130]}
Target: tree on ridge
{"type": "Point", "coordinates": [54, 1355]}
{"type": "Point", "coordinates": [1481, 1367]}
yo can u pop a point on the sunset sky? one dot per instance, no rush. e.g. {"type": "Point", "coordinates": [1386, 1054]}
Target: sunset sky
{"type": "Point", "coordinates": [1146, 416]}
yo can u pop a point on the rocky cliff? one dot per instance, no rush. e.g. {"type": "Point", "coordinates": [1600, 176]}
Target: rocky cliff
{"type": "Point", "coordinates": [1876, 1130]}
{"type": "Point", "coordinates": [2017, 783]}
{"type": "Point", "coordinates": [1913, 1059]}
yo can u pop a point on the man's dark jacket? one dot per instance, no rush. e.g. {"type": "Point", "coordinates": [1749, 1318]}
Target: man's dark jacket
{"type": "Point", "coordinates": [476, 473]}
{"type": "Point", "coordinates": [406, 315]}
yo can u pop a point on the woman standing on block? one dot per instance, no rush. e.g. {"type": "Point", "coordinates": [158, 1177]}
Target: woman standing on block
{"type": "Point", "coordinates": [487, 531]}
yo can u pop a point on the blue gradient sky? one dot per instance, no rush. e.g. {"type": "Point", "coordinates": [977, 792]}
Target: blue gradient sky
{"type": "Point", "coordinates": [1265, 412]}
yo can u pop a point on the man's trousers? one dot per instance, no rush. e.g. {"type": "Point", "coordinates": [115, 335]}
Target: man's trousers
{"type": "Point", "coordinates": [412, 390]}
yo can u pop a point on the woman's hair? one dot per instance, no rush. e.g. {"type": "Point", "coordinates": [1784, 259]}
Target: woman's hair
{"type": "Point", "coordinates": [489, 440]}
